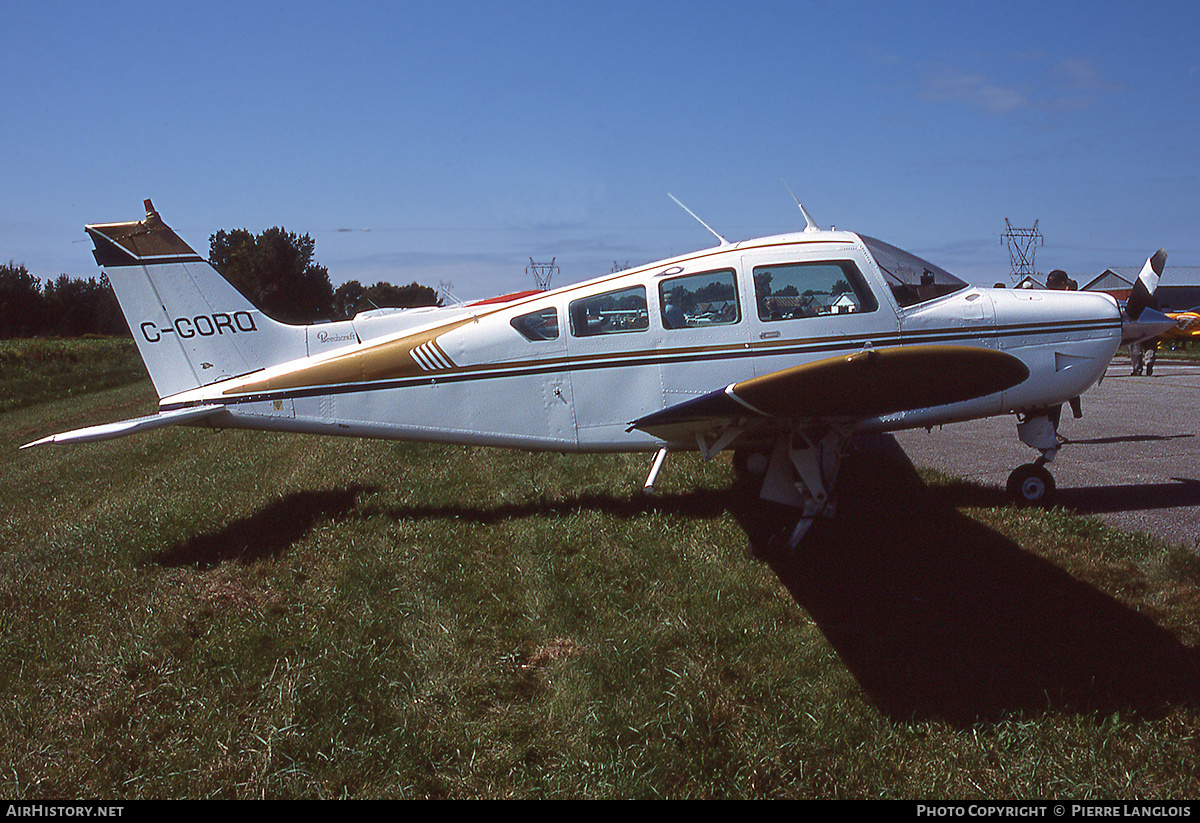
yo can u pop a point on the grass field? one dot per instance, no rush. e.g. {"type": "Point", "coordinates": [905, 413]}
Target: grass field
{"type": "Point", "coordinates": [35, 371]}
{"type": "Point", "coordinates": [232, 614]}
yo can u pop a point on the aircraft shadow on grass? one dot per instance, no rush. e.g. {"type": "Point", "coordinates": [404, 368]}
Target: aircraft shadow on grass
{"type": "Point", "coordinates": [268, 532]}
{"type": "Point", "coordinates": [939, 617]}
{"type": "Point", "coordinates": [277, 526]}
{"type": "Point", "coordinates": [935, 615]}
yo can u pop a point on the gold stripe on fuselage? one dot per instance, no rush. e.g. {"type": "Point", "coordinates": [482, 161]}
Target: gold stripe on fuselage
{"type": "Point", "coordinates": [391, 360]}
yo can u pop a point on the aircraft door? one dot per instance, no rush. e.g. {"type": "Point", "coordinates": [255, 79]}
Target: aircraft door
{"type": "Point", "coordinates": [811, 305]}
{"type": "Point", "coordinates": [704, 340]}
{"type": "Point", "coordinates": [613, 375]}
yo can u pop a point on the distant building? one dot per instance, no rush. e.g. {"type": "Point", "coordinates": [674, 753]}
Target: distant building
{"type": "Point", "coordinates": [1178, 288]}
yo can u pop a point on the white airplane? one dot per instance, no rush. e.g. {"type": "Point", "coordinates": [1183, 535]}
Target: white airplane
{"type": "Point", "coordinates": [821, 335]}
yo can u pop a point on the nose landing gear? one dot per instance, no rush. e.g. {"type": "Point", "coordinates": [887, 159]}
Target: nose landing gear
{"type": "Point", "coordinates": [1032, 484]}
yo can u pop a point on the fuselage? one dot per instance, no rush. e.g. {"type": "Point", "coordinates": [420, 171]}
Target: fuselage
{"type": "Point", "coordinates": [568, 369]}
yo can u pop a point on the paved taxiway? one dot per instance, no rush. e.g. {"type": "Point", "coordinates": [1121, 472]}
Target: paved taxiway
{"type": "Point", "coordinates": [1132, 460]}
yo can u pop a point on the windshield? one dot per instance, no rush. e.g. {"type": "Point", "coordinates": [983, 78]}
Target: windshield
{"type": "Point", "coordinates": [912, 279]}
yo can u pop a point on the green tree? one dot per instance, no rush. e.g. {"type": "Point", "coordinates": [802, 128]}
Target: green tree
{"type": "Point", "coordinates": [73, 307]}
{"type": "Point", "coordinates": [347, 298]}
{"type": "Point", "coordinates": [20, 302]}
{"type": "Point", "coordinates": [351, 297]}
{"type": "Point", "coordinates": [276, 271]}
{"type": "Point", "coordinates": [385, 295]}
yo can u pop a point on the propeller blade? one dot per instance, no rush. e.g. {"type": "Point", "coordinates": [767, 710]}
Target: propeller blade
{"type": "Point", "coordinates": [1142, 296]}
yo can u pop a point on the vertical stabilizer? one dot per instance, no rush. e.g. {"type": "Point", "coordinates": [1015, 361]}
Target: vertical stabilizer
{"type": "Point", "coordinates": [192, 327]}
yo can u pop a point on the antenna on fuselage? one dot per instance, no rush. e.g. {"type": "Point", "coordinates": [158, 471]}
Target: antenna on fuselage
{"type": "Point", "coordinates": [724, 242]}
{"type": "Point", "coordinates": [809, 223]}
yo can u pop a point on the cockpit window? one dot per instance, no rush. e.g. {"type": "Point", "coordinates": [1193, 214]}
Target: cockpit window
{"type": "Point", "coordinates": [538, 325]}
{"type": "Point", "coordinates": [912, 279]}
{"type": "Point", "coordinates": [790, 290]}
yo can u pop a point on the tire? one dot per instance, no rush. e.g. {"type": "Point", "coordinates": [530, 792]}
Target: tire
{"type": "Point", "coordinates": [1031, 485]}
{"type": "Point", "coordinates": [749, 465]}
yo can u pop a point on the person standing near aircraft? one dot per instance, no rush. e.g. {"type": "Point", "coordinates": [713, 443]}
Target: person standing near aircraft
{"type": "Point", "coordinates": [1143, 355]}
{"type": "Point", "coordinates": [1059, 281]}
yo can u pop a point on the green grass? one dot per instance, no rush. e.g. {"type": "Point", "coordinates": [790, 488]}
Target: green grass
{"type": "Point", "coordinates": [234, 614]}
{"type": "Point", "coordinates": [35, 371]}
{"type": "Point", "coordinates": [1170, 350]}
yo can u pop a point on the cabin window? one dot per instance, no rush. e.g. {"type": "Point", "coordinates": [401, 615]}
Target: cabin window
{"type": "Point", "coordinates": [614, 312]}
{"type": "Point", "coordinates": [699, 300]}
{"type": "Point", "coordinates": [791, 290]}
{"type": "Point", "coordinates": [538, 325]}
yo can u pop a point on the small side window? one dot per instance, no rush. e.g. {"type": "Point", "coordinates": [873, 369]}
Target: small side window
{"type": "Point", "coordinates": [699, 300]}
{"type": "Point", "coordinates": [538, 325]}
{"type": "Point", "coordinates": [791, 290]}
{"type": "Point", "coordinates": [614, 312]}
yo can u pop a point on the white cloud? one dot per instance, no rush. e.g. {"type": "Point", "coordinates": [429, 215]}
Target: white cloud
{"type": "Point", "coordinates": [1070, 84]}
{"type": "Point", "coordinates": [975, 90]}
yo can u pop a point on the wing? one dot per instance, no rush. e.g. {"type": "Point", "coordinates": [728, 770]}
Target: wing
{"type": "Point", "coordinates": [866, 384]}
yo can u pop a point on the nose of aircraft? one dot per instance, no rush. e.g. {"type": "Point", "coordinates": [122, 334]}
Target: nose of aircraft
{"type": "Point", "coordinates": [1066, 338]}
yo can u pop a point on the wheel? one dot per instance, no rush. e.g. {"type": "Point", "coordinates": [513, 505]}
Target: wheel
{"type": "Point", "coordinates": [749, 465]}
{"type": "Point", "coordinates": [1031, 485]}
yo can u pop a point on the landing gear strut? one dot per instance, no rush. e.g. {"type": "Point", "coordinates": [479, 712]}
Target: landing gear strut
{"type": "Point", "coordinates": [798, 479]}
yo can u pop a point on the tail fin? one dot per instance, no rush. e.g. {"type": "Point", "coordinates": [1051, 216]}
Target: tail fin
{"type": "Point", "coordinates": [191, 325]}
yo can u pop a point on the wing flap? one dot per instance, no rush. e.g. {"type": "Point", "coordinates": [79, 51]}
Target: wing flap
{"type": "Point", "coordinates": [866, 384]}
{"type": "Point", "coordinates": [109, 431]}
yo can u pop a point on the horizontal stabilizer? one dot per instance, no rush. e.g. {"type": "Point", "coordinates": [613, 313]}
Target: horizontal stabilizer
{"type": "Point", "coordinates": [858, 386]}
{"type": "Point", "coordinates": [108, 431]}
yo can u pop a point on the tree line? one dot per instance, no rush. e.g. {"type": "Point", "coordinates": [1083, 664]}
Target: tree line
{"type": "Point", "coordinates": [63, 307]}
{"type": "Point", "coordinates": [275, 270]}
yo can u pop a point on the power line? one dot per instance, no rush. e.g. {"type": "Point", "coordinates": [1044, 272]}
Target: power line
{"type": "Point", "coordinates": [542, 272]}
{"type": "Point", "coordinates": [1022, 246]}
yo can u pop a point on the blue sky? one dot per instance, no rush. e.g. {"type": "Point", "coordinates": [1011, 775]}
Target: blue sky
{"type": "Point", "coordinates": [470, 136]}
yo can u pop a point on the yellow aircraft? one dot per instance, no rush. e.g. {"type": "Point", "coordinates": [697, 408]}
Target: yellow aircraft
{"type": "Point", "coordinates": [1187, 325]}
{"type": "Point", "coordinates": [780, 348]}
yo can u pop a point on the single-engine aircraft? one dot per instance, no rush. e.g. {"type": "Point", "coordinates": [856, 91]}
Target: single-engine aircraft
{"type": "Point", "coordinates": [779, 348]}
{"type": "Point", "coordinates": [1187, 325]}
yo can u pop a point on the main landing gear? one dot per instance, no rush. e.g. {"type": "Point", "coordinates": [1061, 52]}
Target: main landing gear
{"type": "Point", "coordinates": [796, 480]}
